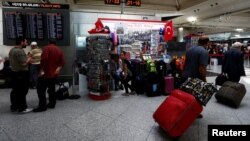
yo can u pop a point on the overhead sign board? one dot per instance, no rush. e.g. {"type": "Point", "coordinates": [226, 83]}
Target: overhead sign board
{"type": "Point", "coordinates": [133, 2]}
{"type": "Point", "coordinates": [113, 2]}
{"type": "Point", "coordinates": [35, 5]}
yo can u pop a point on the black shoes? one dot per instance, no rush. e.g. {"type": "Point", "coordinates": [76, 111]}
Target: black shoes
{"type": "Point", "coordinates": [39, 109]}
{"type": "Point", "coordinates": [51, 106]}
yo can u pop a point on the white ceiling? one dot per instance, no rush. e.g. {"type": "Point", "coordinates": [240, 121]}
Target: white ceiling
{"type": "Point", "coordinates": [213, 16]}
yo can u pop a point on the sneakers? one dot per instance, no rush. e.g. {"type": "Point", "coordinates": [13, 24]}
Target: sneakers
{"type": "Point", "coordinates": [125, 94]}
{"type": "Point", "coordinates": [27, 110]}
{"type": "Point", "coordinates": [39, 109]}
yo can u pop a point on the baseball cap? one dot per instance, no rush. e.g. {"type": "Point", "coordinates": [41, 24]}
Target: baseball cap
{"type": "Point", "coordinates": [33, 43]}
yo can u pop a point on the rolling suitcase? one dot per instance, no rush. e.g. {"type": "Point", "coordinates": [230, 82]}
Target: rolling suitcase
{"type": "Point", "coordinates": [231, 93]}
{"type": "Point", "coordinates": [152, 89]}
{"type": "Point", "coordinates": [177, 113]}
{"type": "Point", "coordinates": [140, 84]}
{"type": "Point", "coordinates": [169, 84]}
{"type": "Point", "coordinates": [152, 85]}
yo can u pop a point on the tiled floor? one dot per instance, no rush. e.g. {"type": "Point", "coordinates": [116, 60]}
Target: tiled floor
{"type": "Point", "coordinates": [117, 119]}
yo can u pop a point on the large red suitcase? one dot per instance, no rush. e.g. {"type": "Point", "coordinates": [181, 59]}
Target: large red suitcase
{"type": "Point", "coordinates": [177, 113]}
{"type": "Point", "coordinates": [169, 84]}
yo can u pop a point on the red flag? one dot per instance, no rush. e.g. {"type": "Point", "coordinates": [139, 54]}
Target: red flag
{"type": "Point", "coordinates": [169, 31]}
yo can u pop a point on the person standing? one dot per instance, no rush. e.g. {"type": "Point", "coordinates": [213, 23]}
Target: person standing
{"type": "Point", "coordinates": [20, 77]}
{"type": "Point", "coordinates": [52, 61]}
{"type": "Point", "coordinates": [35, 55]}
{"type": "Point", "coordinates": [197, 60]}
{"type": "Point", "coordinates": [233, 64]}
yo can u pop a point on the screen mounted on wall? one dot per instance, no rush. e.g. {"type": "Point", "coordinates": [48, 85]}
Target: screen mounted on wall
{"type": "Point", "coordinates": [36, 24]}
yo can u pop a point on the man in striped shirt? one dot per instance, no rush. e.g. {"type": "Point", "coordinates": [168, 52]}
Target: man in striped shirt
{"type": "Point", "coordinates": [35, 55]}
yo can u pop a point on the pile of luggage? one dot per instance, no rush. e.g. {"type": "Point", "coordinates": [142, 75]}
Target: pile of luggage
{"type": "Point", "coordinates": [184, 105]}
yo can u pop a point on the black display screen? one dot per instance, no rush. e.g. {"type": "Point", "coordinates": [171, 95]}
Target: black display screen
{"type": "Point", "coordinates": [13, 24]}
{"type": "Point", "coordinates": [34, 26]}
{"type": "Point", "coordinates": [55, 25]}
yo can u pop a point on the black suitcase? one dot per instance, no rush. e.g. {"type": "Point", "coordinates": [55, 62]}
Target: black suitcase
{"type": "Point", "coordinates": [139, 84]}
{"type": "Point", "coordinates": [152, 89]}
{"type": "Point", "coordinates": [231, 93]}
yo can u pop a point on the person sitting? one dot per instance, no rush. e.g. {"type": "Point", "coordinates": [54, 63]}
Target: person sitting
{"type": "Point", "coordinates": [126, 77]}
{"type": "Point", "coordinates": [115, 67]}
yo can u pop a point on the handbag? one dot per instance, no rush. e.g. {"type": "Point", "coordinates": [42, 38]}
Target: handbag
{"type": "Point", "coordinates": [62, 92]}
{"type": "Point", "coordinates": [201, 90]}
{"type": "Point", "coordinates": [220, 79]}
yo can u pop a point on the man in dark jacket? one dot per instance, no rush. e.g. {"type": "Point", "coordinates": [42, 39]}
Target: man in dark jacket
{"type": "Point", "coordinates": [233, 64]}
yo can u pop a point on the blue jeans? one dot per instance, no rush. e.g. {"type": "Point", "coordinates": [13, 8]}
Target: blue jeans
{"type": "Point", "coordinates": [34, 72]}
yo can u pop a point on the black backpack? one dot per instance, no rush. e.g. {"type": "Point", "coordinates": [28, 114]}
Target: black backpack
{"type": "Point", "coordinates": [62, 93]}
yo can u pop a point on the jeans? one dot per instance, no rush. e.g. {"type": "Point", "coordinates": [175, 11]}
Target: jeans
{"type": "Point", "coordinates": [34, 72]}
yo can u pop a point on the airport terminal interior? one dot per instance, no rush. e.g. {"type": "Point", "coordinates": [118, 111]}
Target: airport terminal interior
{"type": "Point", "coordinates": [91, 33]}
{"type": "Point", "coordinates": [120, 118]}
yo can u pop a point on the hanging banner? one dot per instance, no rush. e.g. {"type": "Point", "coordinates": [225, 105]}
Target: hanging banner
{"type": "Point", "coordinates": [168, 31]}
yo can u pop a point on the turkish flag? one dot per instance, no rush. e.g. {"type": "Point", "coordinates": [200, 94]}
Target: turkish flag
{"type": "Point", "coordinates": [169, 31]}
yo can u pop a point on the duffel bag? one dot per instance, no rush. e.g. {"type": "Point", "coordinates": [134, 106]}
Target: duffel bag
{"type": "Point", "coordinates": [231, 93]}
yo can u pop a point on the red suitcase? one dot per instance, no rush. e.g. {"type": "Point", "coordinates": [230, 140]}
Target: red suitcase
{"type": "Point", "coordinates": [177, 113]}
{"type": "Point", "coordinates": [169, 84]}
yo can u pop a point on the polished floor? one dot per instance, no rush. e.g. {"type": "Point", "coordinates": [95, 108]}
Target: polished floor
{"type": "Point", "coordinates": [121, 118]}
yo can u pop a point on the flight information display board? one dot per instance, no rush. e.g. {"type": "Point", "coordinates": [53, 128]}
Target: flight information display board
{"type": "Point", "coordinates": [13, 24]}
{"type": "Point", "coordinates": [55, 25]}
{"type": "Point", "coordinates": [34, 25]}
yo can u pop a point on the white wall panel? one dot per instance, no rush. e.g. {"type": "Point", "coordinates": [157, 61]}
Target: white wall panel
{"type": "Point", "coordinates": [84, 28]}
{"type": "Point", "coordinates": [112, 16]}
{"type": "Point", "coordinates": [80, 17]}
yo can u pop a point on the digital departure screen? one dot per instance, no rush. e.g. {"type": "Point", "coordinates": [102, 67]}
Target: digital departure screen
{"type": "Point", "coordinates": [55, 25]}
{"type": "Point", "coordinates": [34, 28]}
{"type": "Point", "coordinates": [13, 24]}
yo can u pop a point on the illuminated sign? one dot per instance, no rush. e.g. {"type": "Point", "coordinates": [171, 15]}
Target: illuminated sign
{"type": "Point", "coordinates": [113, 2]}
{"type": "Point", "coordinates": [35, 5]}
{"type": "Point", "coordinates": [133, 2]}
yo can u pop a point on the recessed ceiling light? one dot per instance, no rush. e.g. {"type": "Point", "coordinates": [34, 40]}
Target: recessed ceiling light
{"type": "Point", "coordinates": [237, 35]}
{"type": "Point", "coordinates": [239, 29]}
{"type": "Point", "coordinates": [191, 19]}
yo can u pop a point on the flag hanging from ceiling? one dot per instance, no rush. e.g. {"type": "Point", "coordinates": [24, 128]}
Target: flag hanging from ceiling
{"type": "Point", "coordinates": [169, 31]}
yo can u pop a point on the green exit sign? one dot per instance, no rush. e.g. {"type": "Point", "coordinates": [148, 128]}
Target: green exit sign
{"type": "Point", "coordinates": [113, 2]}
